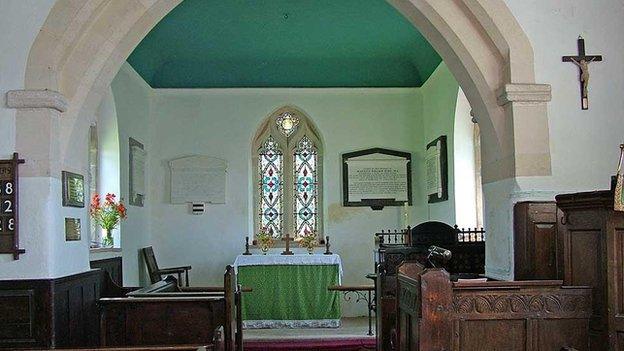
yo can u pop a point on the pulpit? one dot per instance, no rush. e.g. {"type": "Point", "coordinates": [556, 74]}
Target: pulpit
{"type": "Point", "coordinates": [290, 291]}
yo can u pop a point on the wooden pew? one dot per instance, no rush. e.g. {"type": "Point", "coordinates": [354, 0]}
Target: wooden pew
{"type": "Point", "coordinates": [163, 314]}
{"type": "Point", "coordinates": [437, 314]}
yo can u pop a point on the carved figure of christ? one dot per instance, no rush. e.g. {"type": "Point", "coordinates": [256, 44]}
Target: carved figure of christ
{"type": "Point", "coordinates": [582, 62]}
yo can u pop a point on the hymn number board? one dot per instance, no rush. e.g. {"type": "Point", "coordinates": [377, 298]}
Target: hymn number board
{"type": "Point", "coordinates": [9, 238]}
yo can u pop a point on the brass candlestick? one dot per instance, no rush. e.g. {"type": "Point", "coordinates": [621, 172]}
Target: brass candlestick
{"type": "Point", "coordinates": [247, 246]}
{"type": "Point", "coordinates": [327, 245]}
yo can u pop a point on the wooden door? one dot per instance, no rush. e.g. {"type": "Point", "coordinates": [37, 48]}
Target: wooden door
{"type": "Point", "coordinates": [583, 235]}
{"type": "Point", "coordinates": [535, 243]}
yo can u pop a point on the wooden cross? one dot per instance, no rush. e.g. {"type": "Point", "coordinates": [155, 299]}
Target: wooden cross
{"type": "Point", "coordinates": [287, 239]}
{"type": "Point", "coordinates": [582, 61]}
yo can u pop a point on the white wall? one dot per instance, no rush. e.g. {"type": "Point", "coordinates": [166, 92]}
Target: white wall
{"type": "Point", "coordinates": [20, 21]}
{"type": "Point", "coordinates": [439, 100]}
{"type": "Point", "coordinates": [132, 104]}
{"type": "Point", "coordinates": [465, 186]}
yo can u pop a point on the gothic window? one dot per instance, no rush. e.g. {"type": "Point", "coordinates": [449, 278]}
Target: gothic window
{"type": "Point", "coordinates": [288, 162]}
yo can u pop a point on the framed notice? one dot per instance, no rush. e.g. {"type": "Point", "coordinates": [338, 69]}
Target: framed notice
{"type": "Point", "coordinates": [137, 159]}
{"type": "Point", "coordinates": [436, 166]}
{"type": "Point", "coordinates": [73, 189]}
{"type": "Point", "coordinates": [377, 178]}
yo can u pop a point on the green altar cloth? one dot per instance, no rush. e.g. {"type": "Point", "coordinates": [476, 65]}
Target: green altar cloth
{"type": "Point", "coordinates": [285, 294]}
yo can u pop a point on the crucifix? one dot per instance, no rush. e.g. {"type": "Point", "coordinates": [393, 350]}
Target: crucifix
{"type": "Point", "coordinates": [287, 239]}
{"type": "Point", "coordinates": [582, 61]}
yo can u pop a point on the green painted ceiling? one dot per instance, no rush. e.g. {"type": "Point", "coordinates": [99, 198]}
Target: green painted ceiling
{"type": "Point", "coordinates": [284, 43]}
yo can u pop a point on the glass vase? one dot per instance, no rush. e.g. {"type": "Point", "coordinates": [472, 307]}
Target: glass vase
{"type": "Point", "coordinates": [107, 241]}
{"type": "Point", "coordinates": [310, 250]}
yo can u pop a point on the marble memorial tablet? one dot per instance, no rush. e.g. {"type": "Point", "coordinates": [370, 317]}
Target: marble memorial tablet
{"type": "Point", "coordinates": [198, 179]}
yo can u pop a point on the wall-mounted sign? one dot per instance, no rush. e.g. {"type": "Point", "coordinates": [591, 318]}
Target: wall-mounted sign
{"type": "Point", "coordinates": [376, 178]}
{"type": "Point", "coordinates": [73, 190]}
{"type": "Point", "coordinates": [436, 166]}
{"type": "Point", "coordinates": [9, 220]}
{"type": "Point", "coordinates": [73, 229]}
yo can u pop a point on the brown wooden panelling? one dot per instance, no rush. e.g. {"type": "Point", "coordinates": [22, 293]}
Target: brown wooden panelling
{"type": "Point", "coordinates": [536, 250]}
{"type": "Point", "coordinates": [111, 265]}
{"type": "Point", "coordinates": [51, 313]}
{"type": "Point", "coordinates": [25, 315]}
{"type": "Point", "coordinates": [508, 335]}
{"type": "Point", "coordinates": [521, 315]}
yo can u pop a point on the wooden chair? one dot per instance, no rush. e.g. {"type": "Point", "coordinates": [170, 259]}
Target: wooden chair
{"type": "Point", "coordinates": [156, 273]}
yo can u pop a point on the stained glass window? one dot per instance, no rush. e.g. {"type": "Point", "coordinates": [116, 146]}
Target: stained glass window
{"type": "Point", "coordinates": [270, 165]}
{"type": "Point", "coordinates": [287, 158]}
{"type": "Point", "coordinates": [305, 194]}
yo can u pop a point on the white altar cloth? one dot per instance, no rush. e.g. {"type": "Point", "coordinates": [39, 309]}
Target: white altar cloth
{"type": "Point", "coordinates": [295, 260]}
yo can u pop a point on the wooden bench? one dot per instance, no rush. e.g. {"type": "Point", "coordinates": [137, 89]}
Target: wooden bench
{"type": "Point", "coordinates": [164, 314]}
{"type": "Point", "coordinates": [438, 314]}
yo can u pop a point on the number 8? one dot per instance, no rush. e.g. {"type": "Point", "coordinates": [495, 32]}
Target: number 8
{"type": "Point", "coordinates": [11, 224]}
{"type": "Point", "coordinates": [8, 189]}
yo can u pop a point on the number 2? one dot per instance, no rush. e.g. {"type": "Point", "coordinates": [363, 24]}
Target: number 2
{"type": "Point", "coordinates": [8, 208]}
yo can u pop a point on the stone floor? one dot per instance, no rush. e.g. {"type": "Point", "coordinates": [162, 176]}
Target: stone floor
{"type": "Point", "coordinates": [351, 328]}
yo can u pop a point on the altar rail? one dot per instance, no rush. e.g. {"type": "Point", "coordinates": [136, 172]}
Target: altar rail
{"type": "Point", "coordinates": [402, 237]}
{"type": "Point", "coordinates": [437, 314]}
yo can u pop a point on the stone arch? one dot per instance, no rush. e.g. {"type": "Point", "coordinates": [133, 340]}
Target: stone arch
{"type": "Point", "coordinates": [82, 45]}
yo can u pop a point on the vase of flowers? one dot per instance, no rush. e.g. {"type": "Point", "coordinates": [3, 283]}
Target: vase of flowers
{"type": "Point", "coordinates": [307, 240]}
{"type": "Point", "coordinates": [265, 240]}
{"type": "Point", "coordinates": [107, 215]}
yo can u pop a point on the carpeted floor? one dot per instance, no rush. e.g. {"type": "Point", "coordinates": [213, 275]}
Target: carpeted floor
{"type": "Point", "coordinates": [341, 344]}
{"type": "Point", "coordinates": [351, 336]}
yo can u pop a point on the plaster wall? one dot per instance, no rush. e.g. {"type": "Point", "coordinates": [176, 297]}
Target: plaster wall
{"type": "Point", "coordinates": [133, 105]}
{"type": "Point", "coordinates": [20, 21]}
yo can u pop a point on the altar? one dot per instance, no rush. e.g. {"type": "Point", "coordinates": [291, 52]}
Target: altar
{"type": "Point", "coordinates": [290, 291]}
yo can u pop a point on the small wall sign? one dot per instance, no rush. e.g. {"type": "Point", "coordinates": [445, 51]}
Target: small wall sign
{"type": "Point", "coordinates": [9, 191]}
{"type": "Point", "coordinates": [73, 229]}
{"type": "Point", "coordinates": [73, 190]}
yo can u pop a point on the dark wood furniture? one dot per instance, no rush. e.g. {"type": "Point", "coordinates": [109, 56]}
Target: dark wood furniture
{"type": "Point", "coordinates": [536, 252]}
{"type": "Point", "coordinates": [156, 273]}
{"type": "Point", "coordinates": [113, 266]}
{"type": "Point", "coordinates": [592, 236]}
{"type": "Point", "coordinates": [467, 246]}
{"type": "Point", "coordinates": [438, 314]}
{"type": "Point", "coordinates": [54, 313]}
{"type": "Point", "coordinates": [164, 314]}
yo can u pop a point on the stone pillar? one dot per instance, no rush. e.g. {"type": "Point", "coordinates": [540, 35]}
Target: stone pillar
{"type": "Point", "coordinates": [525, 107]}
{"type": "Point", "coordinates": [37, 141]}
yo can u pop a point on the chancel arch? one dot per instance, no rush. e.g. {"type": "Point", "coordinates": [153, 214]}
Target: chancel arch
{"type": "Point", "coordinates": [287, 166]}
{"type": "Point", "coordinates": [82, 45]}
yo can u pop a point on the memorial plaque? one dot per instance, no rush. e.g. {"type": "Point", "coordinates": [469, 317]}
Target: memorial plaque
{"type": "Point", "coordinates": [9, 233]}
{"type": "Point", "coordinates": [73, 229]}
{"type": "Point", "coordinates": [73, 190]}
{"type": "Point", "coordinates": [436, 167]}
{"type": "Point", "coordinates": [196, 179]}
{"type": "Point", "coordinates": [377, 178]}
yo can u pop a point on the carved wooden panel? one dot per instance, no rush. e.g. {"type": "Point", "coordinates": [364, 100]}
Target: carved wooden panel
{"type": "Point", "coordinates": [112, 266]}
{"type": "Point", "coordinates": [478, 335]}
